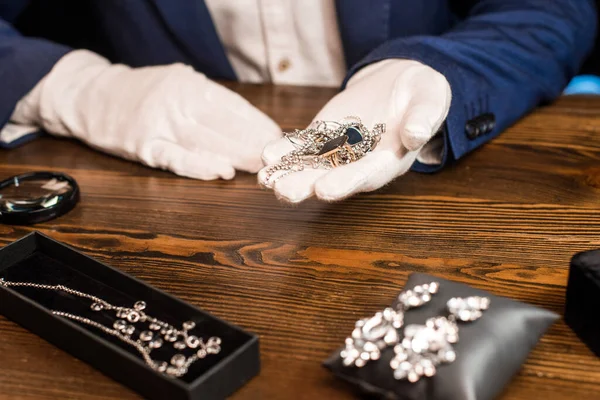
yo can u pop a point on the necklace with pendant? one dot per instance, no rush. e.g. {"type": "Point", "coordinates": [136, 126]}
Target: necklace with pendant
{"type": "Point", "coordinates": [157, 333]}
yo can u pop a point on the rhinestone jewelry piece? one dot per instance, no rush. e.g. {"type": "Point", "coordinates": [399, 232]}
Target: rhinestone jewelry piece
{"type": "Point", "coordinates": [371, 335]}
{"type": "Point", "coordinates": [133, 317]}
{"type": "Point", "coordinates": [162, 366]}
{"type": "Point", "coordinates": [192, 342]}
{"type": "Point", "coordinates": [327, 144]}
{"type": "Point", "coordinates": [418, 296]}
{"type": "Point", "coordinates": [154, 326]}
{"type": "Point", "coordinates": [213, 346]}
{"type": "Point", "coordinates": [189, 325]}
{"type": "Point", "coordinates": [424, 347]}
{"type": "Point", "coordinates": [171, 337]}
{"type": "Point", "coordinates": [172, 371]}
{"type": "Point", "coordinates": [119, 325]}
{"type": "Point", "coordinates": [468, 309]}
{"type": "Point", "coordinates": [150, 329]}
{"type": "Point", "coordinates": [178, 360]}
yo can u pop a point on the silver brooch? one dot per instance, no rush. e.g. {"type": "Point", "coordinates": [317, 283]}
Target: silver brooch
{"type": "Point", "coordinates": [371, 335]}
{"type": "Point", "coordinates": [424, 347]}
{"type": "Point", "coordinates": [419, 349]}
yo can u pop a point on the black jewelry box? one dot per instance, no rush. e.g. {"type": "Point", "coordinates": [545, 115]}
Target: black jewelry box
{"type": "Point", "coordinates": [40, 259]}
{"type": "Point", "coordinates": [583, 298]}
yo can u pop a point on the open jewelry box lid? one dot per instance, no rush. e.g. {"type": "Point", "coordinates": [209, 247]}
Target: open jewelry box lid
{"type": "Point", "coordinates": [40, 259]}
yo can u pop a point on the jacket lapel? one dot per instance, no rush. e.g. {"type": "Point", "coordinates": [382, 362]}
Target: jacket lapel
{"type": "Point", "coordinates": [192, 26]}
{"type": "Point", "coordinates": [363, 26]}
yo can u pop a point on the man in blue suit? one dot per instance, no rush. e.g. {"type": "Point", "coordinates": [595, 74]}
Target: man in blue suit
{"type": "Point", "coordinates": [135, 78]}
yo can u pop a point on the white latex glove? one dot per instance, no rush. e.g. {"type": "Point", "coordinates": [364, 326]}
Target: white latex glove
{"type": "Point", "coordinates": [410, 98]}
{"type": "Point", "coordinates": [169, 117]}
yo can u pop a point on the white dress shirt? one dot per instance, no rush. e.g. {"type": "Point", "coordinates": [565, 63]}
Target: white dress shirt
{"type": "Point", "coordinates": [281, 41]}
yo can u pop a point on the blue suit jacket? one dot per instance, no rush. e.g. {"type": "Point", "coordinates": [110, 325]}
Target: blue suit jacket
{"type": "Point", "coordinates": [501, 57]}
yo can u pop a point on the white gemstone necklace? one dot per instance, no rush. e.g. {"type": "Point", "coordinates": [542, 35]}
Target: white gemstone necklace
{"type": "Point", "coordinates": [124, 328]}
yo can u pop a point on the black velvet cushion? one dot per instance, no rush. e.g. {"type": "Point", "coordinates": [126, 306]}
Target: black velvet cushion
{"type": "Point", "coordinates": [583, 298]}
{"type": "Point", "coordinates": [490, 351]}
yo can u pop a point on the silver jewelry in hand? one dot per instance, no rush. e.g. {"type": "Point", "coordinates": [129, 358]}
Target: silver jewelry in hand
{"type": "Point", "coordinates": [327, 144]}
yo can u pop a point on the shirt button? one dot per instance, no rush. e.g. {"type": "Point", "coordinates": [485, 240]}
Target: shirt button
{"type": "Point", "coordinates": [284, 65]}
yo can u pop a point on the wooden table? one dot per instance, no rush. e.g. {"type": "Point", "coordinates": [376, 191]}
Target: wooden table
{"type": "Point", "coordinates": [507, 219]}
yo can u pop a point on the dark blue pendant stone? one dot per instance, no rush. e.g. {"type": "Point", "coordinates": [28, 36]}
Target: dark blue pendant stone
{"type": "Point", "coordinates": [354, 135]}
{"type": "Point", "coordinates": [333, 145]}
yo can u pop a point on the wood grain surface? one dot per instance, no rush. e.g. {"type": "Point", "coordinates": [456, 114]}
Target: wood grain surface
{"type": "Point", "coordinates": [506, 218]}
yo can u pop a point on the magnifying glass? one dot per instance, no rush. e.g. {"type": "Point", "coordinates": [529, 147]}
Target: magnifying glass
{"type": "Point", "coordinates": [36, 197]}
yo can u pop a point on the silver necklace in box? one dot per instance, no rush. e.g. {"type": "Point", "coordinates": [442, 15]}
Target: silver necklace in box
{"type": "Point", "coordinates": [124, 328]}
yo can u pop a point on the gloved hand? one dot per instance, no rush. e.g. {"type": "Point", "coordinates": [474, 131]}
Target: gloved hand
{"type": "Point", "coordinates": [169, 117]}
{"type": "Point", "coordinates": [410, 98]}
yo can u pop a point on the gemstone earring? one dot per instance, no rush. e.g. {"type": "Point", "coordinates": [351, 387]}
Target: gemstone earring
{"type": "Point", "coordinates": [371, 335]}
{"type": "Point", "coordinates": [424, 347]}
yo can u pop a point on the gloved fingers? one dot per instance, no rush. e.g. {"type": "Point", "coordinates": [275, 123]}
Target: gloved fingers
{"type": "Point", "coordinates": [181, 161]}
{"type": "Point", "coordinates": [418, 125]}
{"type": "Point", "coordinates": [367, 174]}
{"type": "Point", "coordinates": [426, 111]}
{"type": "Point", "coordinates": [196, 138]}
{"type": "Point", "coordinates": [276, 149]}
{"type": "Point", "coordinates": [297, 186]}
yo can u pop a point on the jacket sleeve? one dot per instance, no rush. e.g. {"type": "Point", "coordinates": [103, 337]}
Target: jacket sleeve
{"type": "Point", "coordinates": [24, 62]}
{"type": "Point", "coordinates": [505, 58]}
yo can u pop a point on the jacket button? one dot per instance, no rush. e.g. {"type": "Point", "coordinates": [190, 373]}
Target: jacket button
{"type": "Point", "coordinates": [472, 129]}
{"type": "Point", "coordinates": [484, 127]}
{"type": "Point", "coordinates": [489, 120]}
{"type": "Point", "coordinates": [492, 124]}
